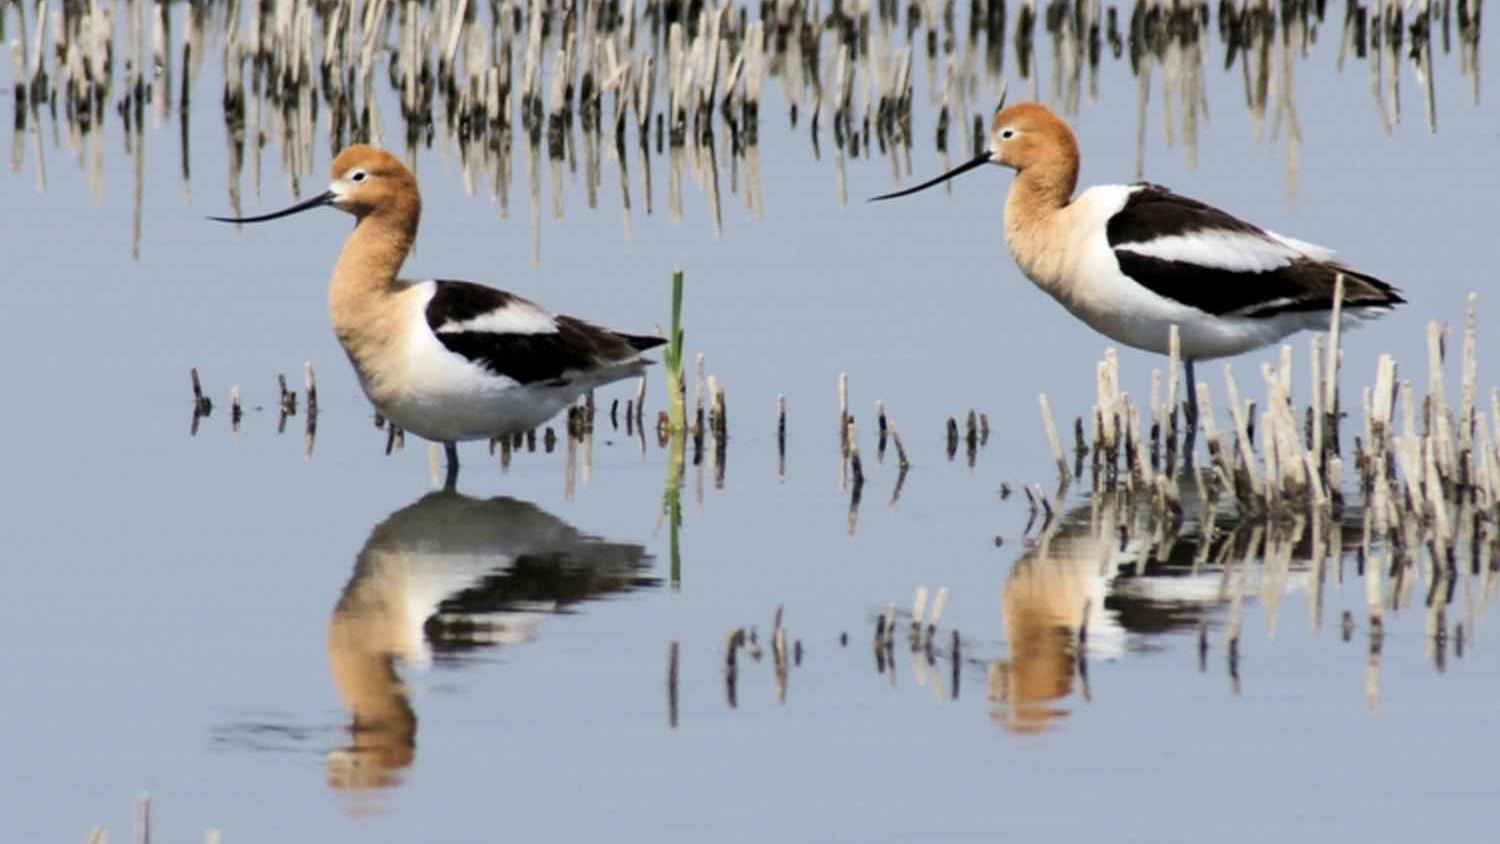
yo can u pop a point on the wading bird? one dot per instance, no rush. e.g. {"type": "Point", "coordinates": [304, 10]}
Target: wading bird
{"type": "Point", "coordinates": [1131, 261]}
{"type": "Point", "coordinates": [448, 360]}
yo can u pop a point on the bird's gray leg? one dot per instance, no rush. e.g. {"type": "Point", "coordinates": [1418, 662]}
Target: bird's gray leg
{"type": "Point", "coordinates": [450, 482]}
{"type": "Point", "coordinates": [1190, 414]}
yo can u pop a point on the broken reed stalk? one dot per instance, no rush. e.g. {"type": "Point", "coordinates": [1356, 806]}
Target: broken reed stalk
{"type": "Point", "coordinates": [1466, 413]}
{"type": "Point", "coordinates": [780, 654]}
{"type": "Point", "coordinates": [1331, 380]}
{"type": "Point", "coordinates": [311, 379]}
{"type": "Point", "coordinates": [700, 388]}
{"type": "Point", "coordinates": [202, 404]}
{"type": "Point", "coordinates": [901, 461]}
{"type": "Point", "coordinates": [719, 415]}
{"type": "Point", "coordinates": [1054, 440]}
{"type": "Point", "coordinates": [1174, 368]}
{"type": "Point", "coordinates": [781, 435]}
{"type": "Point", "coordinates": [885, 629]}
{"type": "Point", "coordinates": [143, 818]}
{"type": "Point", "coordinates": [939, 604]}
{"type": "Point", "coordinates": [1241, 430]}
{"type": "Point", "coordinates": [732, 645]}
{"type": "Point", "coordinates": [1316, 433]}
{"type": "Point", "coordinates": [672, 684]}
{"type": "Point", "coordinates": [918, 615]}
{"type": "Point", "coordinates": [971, 437]}
{"type": "Point", "coordinates": [843, 407]}
{"type": "Point", "coordinates": [955, 653]}
{"type": "Point", "coordinates": [1158, 412]}
{"type": "Point", "coordinates": [288, 400]}
{"type": "Point", "coordinates": [1046, 503]}
{"type": "Point", "coordinates": [851, 447]}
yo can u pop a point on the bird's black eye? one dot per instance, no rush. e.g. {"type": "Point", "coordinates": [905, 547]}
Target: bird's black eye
{"type": "Point", "coordinates": [1007, 134]}
{"type": "Point", "coordinates": [357, 176]}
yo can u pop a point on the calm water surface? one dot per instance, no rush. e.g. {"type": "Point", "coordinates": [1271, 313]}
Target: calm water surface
{"type": "Point", "coordinates": [201, 617]}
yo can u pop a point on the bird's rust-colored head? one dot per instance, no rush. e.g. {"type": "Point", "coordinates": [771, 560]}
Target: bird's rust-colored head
{"type": "Point", "coordinates": [366, 181]}
{"type": "Point", "coordinates": [1023, 137]}
{"type": "Point", "coordinates": [1030, 135]}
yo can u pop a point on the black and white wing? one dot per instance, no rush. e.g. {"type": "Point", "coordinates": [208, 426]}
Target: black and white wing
{"type": "Point", "coordinates": [520, 340]}
{"type": "Point", "coordinates": [1202, 257]}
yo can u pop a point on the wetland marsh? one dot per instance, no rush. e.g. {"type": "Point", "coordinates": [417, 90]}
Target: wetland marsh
{"type": "Point", "coordinates": [203, 606]}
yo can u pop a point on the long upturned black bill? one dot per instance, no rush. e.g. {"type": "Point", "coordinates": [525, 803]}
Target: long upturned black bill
{"type": "Point", "coordinates": [978, 161]}
{"type": "Point", "coordinates": [324, 198]}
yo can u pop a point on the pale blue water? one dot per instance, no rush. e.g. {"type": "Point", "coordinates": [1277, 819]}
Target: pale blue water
{"type": "Point", "coordinates": [169, 596]}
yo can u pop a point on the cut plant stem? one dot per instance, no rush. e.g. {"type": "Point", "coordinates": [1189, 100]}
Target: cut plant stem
{"type": "Point", "coordinates": [781, 436]}
{"type": "Point", "coordinates": [1054, 440]}
{"type": "Point", "coordinates": [843, 407]}
{"type": "Point", "coordinates": [201, 403]}
{"type": "Point", "coordinates": [672, 684]}
{"type": "Point", "coordinates": [851, 446]}
{"type": "Point", "coordinates": [312, 388]}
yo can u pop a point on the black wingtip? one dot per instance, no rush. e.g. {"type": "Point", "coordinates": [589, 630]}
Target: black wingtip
{"type": "Point", "coordinates": [1379, 294]}
{"type": "Point", "coordinates": [642, 342]}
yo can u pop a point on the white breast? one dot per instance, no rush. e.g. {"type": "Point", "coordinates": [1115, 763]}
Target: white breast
{"type": "Point", "coordinates": [445, 397]}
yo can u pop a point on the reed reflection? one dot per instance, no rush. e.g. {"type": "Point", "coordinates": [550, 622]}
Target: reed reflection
{"type": "Point", "coordinates": [477, 82]}
{"type": "Point", "coordinates": [442, 577]}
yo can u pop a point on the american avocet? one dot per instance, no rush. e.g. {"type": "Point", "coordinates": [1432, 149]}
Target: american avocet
{"type": "Point", "coordinates": [448, 360]}
{"type": "Point", "coordinates": [1133, 260]}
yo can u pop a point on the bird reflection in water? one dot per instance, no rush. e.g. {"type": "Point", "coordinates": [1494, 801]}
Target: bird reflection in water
{"type": "Point", "coordinates": [1103, 581]}
{"type": "Point", "coordinates": [1057, 586]}
{"type": "Point", "coordinates": [445, 575]}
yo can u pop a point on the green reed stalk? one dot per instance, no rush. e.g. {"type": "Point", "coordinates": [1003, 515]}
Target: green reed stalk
{"type": "Point", "coordinates": [677, 416]}
{"type": "Point", "coordinates": [676, 387]}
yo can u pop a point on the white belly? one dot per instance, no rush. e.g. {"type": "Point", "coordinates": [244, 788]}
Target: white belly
{"type": "Point", "coordinates": [442, 396]}
{"type": "Point", "coordinates": [1144, 324]}
{"type": "Point", "coordinates": [461, 414]}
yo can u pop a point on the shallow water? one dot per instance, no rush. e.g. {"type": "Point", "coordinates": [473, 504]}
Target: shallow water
{"type": "Point", "coordinates": [175, 603]}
